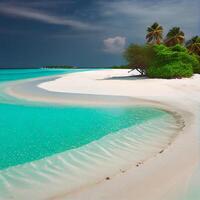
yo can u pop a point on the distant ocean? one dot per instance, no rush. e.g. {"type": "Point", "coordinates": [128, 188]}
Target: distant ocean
{"type": "Point", "coordinates": [17, 74]}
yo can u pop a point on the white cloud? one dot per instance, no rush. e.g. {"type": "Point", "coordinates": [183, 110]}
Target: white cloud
{"type": "Point", "coordinates": [30, 13]}
{"type": "Point", "coordinates": [114, 45]}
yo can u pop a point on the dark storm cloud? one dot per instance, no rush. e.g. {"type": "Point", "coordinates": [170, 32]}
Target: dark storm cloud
{"type": "Point", "coordinates": [27, 11]}
{"type": "Point", "coordinates": [84, 32]}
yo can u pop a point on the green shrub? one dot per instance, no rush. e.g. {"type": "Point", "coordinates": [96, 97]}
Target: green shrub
{"type": "Point", "coordinates": [172, 62]}
{"type": "Point", "coordinates": [196, 63]}
{"type": "Point", "coordinates": [183, 55]}
{"type": "Point", "coordinates": [160, 61]}
{"type": "Point", "coordinates": [172, 70]}
{"type": "Point", "coordinates": [139, 57]}
{"type": "Point", "coordinates": [179, 48]}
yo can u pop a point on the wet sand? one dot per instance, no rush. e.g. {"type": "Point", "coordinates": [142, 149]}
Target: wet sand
{"type": "Point", "coordinates": [166, 175]}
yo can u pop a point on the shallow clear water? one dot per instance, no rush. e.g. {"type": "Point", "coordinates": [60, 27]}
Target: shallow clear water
{"type": "Point", "coordinates": [17, 74]}
{"type": "Point", "coordinates": [32, 132]}
{"type": "Point", "coordinates": [28, 132]}
{"type": "Point", "coordinates": [43, 145]}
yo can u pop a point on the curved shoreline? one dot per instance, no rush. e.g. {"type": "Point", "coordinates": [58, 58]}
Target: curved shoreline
{"type": "Point", "coordinates": [112, 185]}
{"type": "Point", "coordinates": [93, 156]}
{"type": "Point", "coordinates": [29, 90]}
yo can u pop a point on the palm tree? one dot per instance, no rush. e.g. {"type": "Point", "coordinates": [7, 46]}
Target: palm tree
{"type": "Point", "coordinates": [175, 36]}
{"type": "Point", "coordinates": [154, 34]}
{"type": "Point", "coordinates": [193, 45]}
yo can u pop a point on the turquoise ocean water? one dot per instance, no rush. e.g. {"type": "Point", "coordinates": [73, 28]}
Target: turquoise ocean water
{"type": "Point", "coordinates": [17, 74]}
{"type": "Point", "coordinates": [30, 132]}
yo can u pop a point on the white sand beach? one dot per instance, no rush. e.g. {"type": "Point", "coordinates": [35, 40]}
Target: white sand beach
{"type": "Point", "coordinates": [99, 100]}
{"type": "Point", "coordinates": [165, 176]}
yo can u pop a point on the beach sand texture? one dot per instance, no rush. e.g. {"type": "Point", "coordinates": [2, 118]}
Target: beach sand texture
{"type": "Point", "coordinates": [165, 176]}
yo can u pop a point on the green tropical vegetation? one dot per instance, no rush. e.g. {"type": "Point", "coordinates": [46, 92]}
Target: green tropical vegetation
{"type": "Point", "coordinates": [60, 67]}
{"type": "Point", "coordinates": [173, 62]}
{"type": "Point", "coordinates": [139, 57]}
{"type": "Point", "coordinates": [154, 34]}
{"type": "Point", "coordinates": [169, 57]}
{"type": "Point", "coordinates": [120, 67]}
{"type": "Point", "coordinates": [193, 45]}
{"type": "Point", "coordinates": [174, 36]}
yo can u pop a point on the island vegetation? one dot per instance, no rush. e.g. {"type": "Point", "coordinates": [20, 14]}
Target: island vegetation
{"type": "Point", "coordinates": [60, 67]}
{"type": "Point", "coordinates": [120, 67]}
{"type": "Point", "coordinates": [164, 57]}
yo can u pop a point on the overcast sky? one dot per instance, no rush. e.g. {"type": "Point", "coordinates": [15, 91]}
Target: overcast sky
{"type": "Point", "coordinates": [84, 32]}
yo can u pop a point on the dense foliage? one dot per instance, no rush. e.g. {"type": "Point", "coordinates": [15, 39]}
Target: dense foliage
{"type": "Point", "coordinates": [173, 70]}
{"type": "Point", "coordinates": [139, 57]}
{"type": "Point", "coordinates": [174, 36]}
{"type": "Point", "coordinates": [60, 67]}
{"type": "Point", "coordinates": [193, 45]}
{"type": "Point", "coordinates": [154, 34]}
{"type": "Point", "coordinates": [167, 57]}
{"type": "Point", "coordinates": [160, 61]}
{"type": "Point", "coordinates": [172, 62]}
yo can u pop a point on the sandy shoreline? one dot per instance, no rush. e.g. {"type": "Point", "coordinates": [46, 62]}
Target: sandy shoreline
{"type": "Point", "coordinates": [163, 177]}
